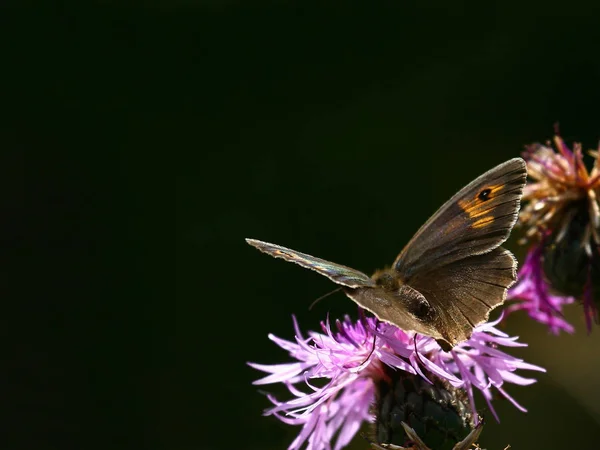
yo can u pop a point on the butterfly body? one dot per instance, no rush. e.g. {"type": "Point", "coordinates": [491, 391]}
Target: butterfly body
{"type": "Point", "coordinates": [400, 304]}
{"type": "Point", "coordinates": [451, 274]}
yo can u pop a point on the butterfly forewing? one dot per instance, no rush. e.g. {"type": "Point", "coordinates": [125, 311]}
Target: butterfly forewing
{"type": "Point", "coordinates": [476, 220]}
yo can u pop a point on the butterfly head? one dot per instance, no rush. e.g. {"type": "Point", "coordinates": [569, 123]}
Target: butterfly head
{"type": "Point", "coordinates": [387, 279]}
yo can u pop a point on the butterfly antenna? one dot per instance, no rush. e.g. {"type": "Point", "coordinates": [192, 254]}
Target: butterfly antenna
{"type": "Point", "coordinates": [322, 297]}
{"type": "Point", "coordinates": [374, 341]}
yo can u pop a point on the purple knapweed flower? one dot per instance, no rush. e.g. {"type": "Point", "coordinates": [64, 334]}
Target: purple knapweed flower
{"type": "Point", "coordinates": [531, 293]}
{"type": "Point", "coordinates": [352, 360]}
{"type": "Point", "coordinates": [561, 215]}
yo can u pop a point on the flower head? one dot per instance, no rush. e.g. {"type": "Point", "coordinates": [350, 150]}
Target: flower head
{"type": "Point", "coordinates": [561, 214]}
{"type": "Point", "coordinates": [562, 187]}
{"type": "Point", "coordinates": [356, 359]}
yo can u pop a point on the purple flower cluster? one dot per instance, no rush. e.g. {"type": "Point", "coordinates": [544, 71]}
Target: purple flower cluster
{"type": "Point", "coordinates": [532, 294]}
{"type": "Point", "coordinates": [561, 216]}
{"type": "Point", "coordinates": [351, 359]}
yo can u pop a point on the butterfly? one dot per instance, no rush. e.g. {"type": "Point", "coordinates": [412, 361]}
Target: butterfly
{"type": "Point", "coordinates": [451, 274]}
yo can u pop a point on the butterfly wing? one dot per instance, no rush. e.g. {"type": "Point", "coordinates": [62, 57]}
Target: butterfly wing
{"type": "Point", "coordinates": [337, 273]}
{"type": "Point", "coordinates": [463, 293]}
{"type": "Point", "coordinates": [455, 260]}
{"type": "Point", "coordinates": [476, 220]}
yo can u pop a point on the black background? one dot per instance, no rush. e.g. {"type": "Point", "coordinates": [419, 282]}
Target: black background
{"type": "Point", "coordinates": [158, 137]}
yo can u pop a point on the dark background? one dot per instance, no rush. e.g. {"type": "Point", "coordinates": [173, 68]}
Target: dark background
{"type": "Point", "coordinates": [162, 135]}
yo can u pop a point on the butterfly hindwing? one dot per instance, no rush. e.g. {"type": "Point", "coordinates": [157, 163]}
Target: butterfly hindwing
{"type": "Point", "coordinates": [463, 293]}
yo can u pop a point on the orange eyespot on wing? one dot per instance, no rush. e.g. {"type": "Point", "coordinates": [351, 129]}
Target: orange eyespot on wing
{"type": "Point", "coordinates": [476, 207]}
{"type": "Point", "coordinates": [480, 208]}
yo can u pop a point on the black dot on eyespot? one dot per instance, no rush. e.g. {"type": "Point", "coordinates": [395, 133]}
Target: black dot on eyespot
{"type": "Point", "coordinates": [485, 195]}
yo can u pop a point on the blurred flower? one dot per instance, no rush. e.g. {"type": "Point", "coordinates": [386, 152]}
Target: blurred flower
{"type": "Point", "coordinates": [562, 216]}
{"type": "Point", "coordinates": [360, 360]}
{"type": "Point", "coordinates": [532, 294]}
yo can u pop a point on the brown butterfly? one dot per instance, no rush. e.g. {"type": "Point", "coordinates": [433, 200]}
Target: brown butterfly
{"type": "Point", "coordinates": [453, 271]}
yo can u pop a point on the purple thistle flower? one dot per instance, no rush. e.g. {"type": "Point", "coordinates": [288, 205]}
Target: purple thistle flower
{"type": "Point", "coordinates": [531, 293]}
{"type": "Point", "coordinates": [357, 355]}
{"type": "Point", "coordinates": [561, 214]}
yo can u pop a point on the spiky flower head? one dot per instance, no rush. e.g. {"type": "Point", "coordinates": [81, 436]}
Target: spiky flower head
{"type": "Point", "coordinates": [358, 361]}
{"type": "Point", "coordinates": [561, 213]}
{"type": "Point", "coordinates": [435, 409]}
